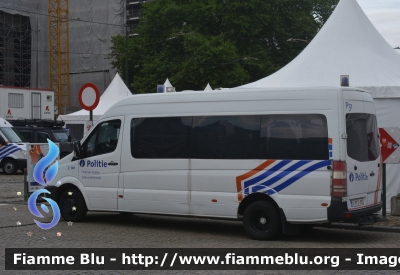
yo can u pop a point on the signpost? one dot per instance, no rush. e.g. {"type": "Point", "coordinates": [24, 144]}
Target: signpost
{"type": "Point", "coordinates": [89, 97]}
{"type": "Point", "coordinates": [390, 140]}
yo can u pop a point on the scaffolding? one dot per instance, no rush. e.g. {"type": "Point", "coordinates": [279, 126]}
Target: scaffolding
{"type": "Point", "coordinates": [15, 50]}
{"type": "Point", "coordinates": [59, 68]}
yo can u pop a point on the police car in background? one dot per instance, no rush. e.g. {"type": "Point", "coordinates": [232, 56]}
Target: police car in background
{"type": "Point", "coordinates": [12, 149]}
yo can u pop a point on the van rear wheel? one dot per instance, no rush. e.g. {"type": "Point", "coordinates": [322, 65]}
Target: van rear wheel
{"type": "Point", "coordinates": [261, 221]}
{"type": "Point", "coordinates": [72, 205]}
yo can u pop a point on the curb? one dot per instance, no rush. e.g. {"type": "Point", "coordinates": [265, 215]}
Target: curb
{"type": "Point", "coordinates": [363, 228]}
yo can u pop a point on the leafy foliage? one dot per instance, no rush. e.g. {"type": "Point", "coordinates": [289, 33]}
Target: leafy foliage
{"type": "Point", "coordinates": [226, 43]}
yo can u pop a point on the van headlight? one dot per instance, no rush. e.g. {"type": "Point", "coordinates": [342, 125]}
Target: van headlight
{"type": "Point", "coordinates": [23, 153]}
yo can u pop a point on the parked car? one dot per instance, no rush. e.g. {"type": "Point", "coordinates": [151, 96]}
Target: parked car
{"type": "Point", "coordinates": [38, 131]}
{"type": "Point", "coordinates": [12, 149]}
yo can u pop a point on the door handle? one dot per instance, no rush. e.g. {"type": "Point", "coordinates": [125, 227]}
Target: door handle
{"type": "Point", "coordinates": [112, 163]}
{"type": "Point", "coordinates": [372, 174]}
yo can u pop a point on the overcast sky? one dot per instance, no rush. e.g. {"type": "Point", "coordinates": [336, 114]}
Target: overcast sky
{"type": "Point", "coordinates": [385, 15]}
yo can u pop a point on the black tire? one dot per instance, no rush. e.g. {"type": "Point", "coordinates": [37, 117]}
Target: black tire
{"type": "Point", "coordinates": [9, 166]}
{"type": "Point", "coordinates": [72, 198]}
{"type": "Point", "coordinates": [262, 221]}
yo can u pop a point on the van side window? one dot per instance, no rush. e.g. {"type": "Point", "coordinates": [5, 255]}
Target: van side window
{"type": "Point", "coordinates": [300, 137]}
{"type": "Point", "coordinates": [362, 137]}
{"type": "Point", "coordinates": [165, 137]}
{"type": "Point", "coordinates": [103, 139]}
{"type": "Point", "coordinates": [226, 137]}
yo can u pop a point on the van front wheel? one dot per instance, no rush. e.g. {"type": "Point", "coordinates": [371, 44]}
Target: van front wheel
{"type": "Point", "coordinates": [72, 205]}
{"type": "Point", "coordinates": [261, 221]}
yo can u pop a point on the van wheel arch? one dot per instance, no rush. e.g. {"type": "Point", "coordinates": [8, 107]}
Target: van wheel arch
{"type": "Point", "coordinates": [253, 198]}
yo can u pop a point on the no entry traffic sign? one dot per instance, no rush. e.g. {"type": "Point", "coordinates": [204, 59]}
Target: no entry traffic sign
{"type": "Point", "coordinates": [389, 144]}
{"type": "Point", "coordinates": [89, 96]}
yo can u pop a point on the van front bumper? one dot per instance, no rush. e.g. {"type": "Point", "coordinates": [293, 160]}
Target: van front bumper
{"type": "Point", "coordinates": [338, 211]}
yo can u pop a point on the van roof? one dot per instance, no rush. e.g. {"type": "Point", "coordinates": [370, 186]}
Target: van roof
{"type": "Point", "coordinates": [235, 94]}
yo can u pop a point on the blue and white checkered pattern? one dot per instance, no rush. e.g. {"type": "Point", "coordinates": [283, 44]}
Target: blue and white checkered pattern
{"type": "Point", "coordinates": [8, 150]}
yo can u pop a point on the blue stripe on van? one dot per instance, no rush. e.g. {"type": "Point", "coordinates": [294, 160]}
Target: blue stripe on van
{"type": "Point", "coordinates": [266, 174]}
{"type": "Point", "coordinates": [7, 150]}
{"type": "Point", "coordinates": [302, 174]}
{"type": "Point", "coordinates": [284, 173]}
{"type": "Point", "coordinates": [254, 187]}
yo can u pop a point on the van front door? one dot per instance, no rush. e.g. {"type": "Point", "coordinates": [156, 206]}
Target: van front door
{"type": "Point", "coordinates": [99, 169]}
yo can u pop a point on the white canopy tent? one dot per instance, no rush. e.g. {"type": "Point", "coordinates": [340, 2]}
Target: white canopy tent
{"type": "Point", "coordinates": [80, 120]}
{"type": "Point", "coordinates": [348, 44]}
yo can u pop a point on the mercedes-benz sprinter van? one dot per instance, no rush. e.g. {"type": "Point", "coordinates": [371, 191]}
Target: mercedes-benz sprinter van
{"type": "Point", "coordinates": [274, 158]}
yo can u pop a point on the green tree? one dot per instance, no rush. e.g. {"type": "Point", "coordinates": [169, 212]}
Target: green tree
{"type": "Point", "coordinates": [226, 43]}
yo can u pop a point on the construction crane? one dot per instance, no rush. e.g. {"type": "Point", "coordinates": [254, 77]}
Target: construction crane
{"type": "Point", "coordinates": [59, 53]}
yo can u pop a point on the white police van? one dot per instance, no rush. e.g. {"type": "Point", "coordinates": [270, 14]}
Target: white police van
{"type": "Point", "coordinates": [275, 158]}
{"type": "Point", "coordinates": [12, 149]}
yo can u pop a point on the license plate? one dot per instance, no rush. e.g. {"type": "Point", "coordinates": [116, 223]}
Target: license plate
{"type": "Point", "coordinates": [357, 202]}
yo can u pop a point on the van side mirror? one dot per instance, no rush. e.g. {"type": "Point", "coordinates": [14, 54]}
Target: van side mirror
{"type": "Point", "coordinates": [77, 150]}
{"type": "Point", "coordinates": [69, 138]}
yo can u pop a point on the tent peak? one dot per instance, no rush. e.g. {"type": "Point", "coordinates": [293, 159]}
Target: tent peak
{"type": "Point", "coordinates": [208, 87]}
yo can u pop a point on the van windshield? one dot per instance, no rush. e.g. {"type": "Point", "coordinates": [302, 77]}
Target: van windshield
{"type": "Point", "coordinates": [12, 135]}
{"type": "Point", "coordinates": [362, 137]}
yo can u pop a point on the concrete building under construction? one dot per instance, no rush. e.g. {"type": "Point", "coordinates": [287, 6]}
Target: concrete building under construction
{"type": "Point", "coordinates": [29, 47]}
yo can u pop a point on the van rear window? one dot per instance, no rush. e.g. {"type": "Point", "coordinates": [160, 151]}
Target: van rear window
{"type": "Point", "coordinates": [362, 137]}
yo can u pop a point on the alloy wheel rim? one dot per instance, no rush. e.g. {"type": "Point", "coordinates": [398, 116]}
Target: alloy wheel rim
{"type": "Point", "coordinates": [260, 221]}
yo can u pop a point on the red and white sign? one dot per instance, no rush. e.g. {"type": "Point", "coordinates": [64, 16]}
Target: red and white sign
{"type": "Point", "coordinates": [89, 96]}
{"type": "Point", "coordinates": [390, 140]}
